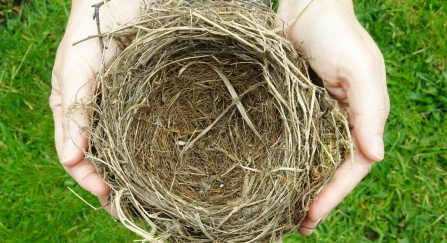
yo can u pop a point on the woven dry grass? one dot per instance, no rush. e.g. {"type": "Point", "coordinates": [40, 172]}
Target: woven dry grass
{"type": "Point", "coordinates": [207, 128]}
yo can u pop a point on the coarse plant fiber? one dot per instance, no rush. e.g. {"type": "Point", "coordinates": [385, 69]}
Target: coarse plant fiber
{"type": "Point", "coordinates": [207, 127]}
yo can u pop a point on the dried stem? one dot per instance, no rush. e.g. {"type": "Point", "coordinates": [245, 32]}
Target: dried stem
{"type": "Point", "coordinates": [98, 24]}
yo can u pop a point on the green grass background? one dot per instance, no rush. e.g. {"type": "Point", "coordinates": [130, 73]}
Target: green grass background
{"type": "Point", "coordinates": [402, 200]}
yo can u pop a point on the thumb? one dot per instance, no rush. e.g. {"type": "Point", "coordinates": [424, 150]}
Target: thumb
{"type": "Point", "coordinates": [369, 128]}
{"type": "Point", "coordinates": [369, 107]}
{"type": "Point", "coordinates": [76, 82]}
{"type": "Point", "coordinates": [69, 139]}
{"type": "Point", "coordinates": [74, 135]}
{"type": "Point", "coordinates": [72, 87]}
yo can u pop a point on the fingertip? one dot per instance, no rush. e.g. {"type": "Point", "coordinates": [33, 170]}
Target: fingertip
{"type": "Point", "coordinates": [370, 145]}
{"type": "Point", "coordinates": [86, 176]}
{"type": "Point", "coordinates": [313, 219]}
{"type": "Point", "coordinates": [108, 206]}
{"type": "Point", "coordinates": [74, 138]}
{"type": "Point", "coordinates": [309, 225]}
{"type": "Point", "coordinates": [96, 185]}
{"type": "Point", "coordinates": [368, 131]}
{"type": "Point", "coordinates": [70, 154]}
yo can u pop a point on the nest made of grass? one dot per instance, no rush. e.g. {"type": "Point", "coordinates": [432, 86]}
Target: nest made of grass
{"type": "Point", "coordinates": [207, 127]}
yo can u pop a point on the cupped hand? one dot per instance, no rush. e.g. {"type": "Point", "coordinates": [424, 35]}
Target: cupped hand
{"type": "Point", "coordinates": [343, 54]}
{"type": "Point", "coordinates": [74, 72]}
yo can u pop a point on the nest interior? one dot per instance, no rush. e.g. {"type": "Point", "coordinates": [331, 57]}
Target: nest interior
{"type": "Point", "coordinates": [207, 128]}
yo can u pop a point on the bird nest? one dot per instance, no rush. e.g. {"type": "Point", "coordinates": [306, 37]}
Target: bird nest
{"type": "Point", "coordinates": [207, 127]}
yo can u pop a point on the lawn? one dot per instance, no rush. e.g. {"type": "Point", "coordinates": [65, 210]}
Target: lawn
{"type": "Point", "coordinates": [402, 200]}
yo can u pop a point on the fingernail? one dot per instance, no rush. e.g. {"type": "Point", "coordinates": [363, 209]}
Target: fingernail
{"type": "Point", "coordinates": [68, 152]}
{"type": "Point", "coordinates": [377, 147]}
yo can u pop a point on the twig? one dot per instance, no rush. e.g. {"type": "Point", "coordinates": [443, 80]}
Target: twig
{"type": "Point", "coordinates": [88, 38]}
{"type": "Point", "coordinates": [96, 17]}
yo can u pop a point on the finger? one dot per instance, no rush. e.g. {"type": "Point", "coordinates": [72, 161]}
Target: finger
{"type": "Point", "coordinates": [86, 176]}
{"type": "Point", "coordinates": [110, 207]}
{"type": "Point", "coordinates": [74, 123]}
{"type": "Point", "coordinates": [308, 226]}
{"type": "Point", "coordinates": [369, 104]}
{"type": "Point", "coordinates": [70, 139]}
{"type": "Point", "coordinates": [344, 181]}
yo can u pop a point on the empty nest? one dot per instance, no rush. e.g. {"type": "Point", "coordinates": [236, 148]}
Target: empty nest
{"type": "Point", "coordinates": [207, 127]}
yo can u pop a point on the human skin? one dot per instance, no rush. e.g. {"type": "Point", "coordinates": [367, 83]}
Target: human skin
{"type": "Point", "coordinates": [327, 32]}
{"type": "Point", "coordinates": [339, 49]}
{"type": "Point", "coordinates": [74, 72]}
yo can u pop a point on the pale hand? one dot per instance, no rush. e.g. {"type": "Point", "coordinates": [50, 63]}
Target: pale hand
{"type": "Point", "coordinates": [339, 49]}
{"type": "Point", "coordinates": [74, 72]}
